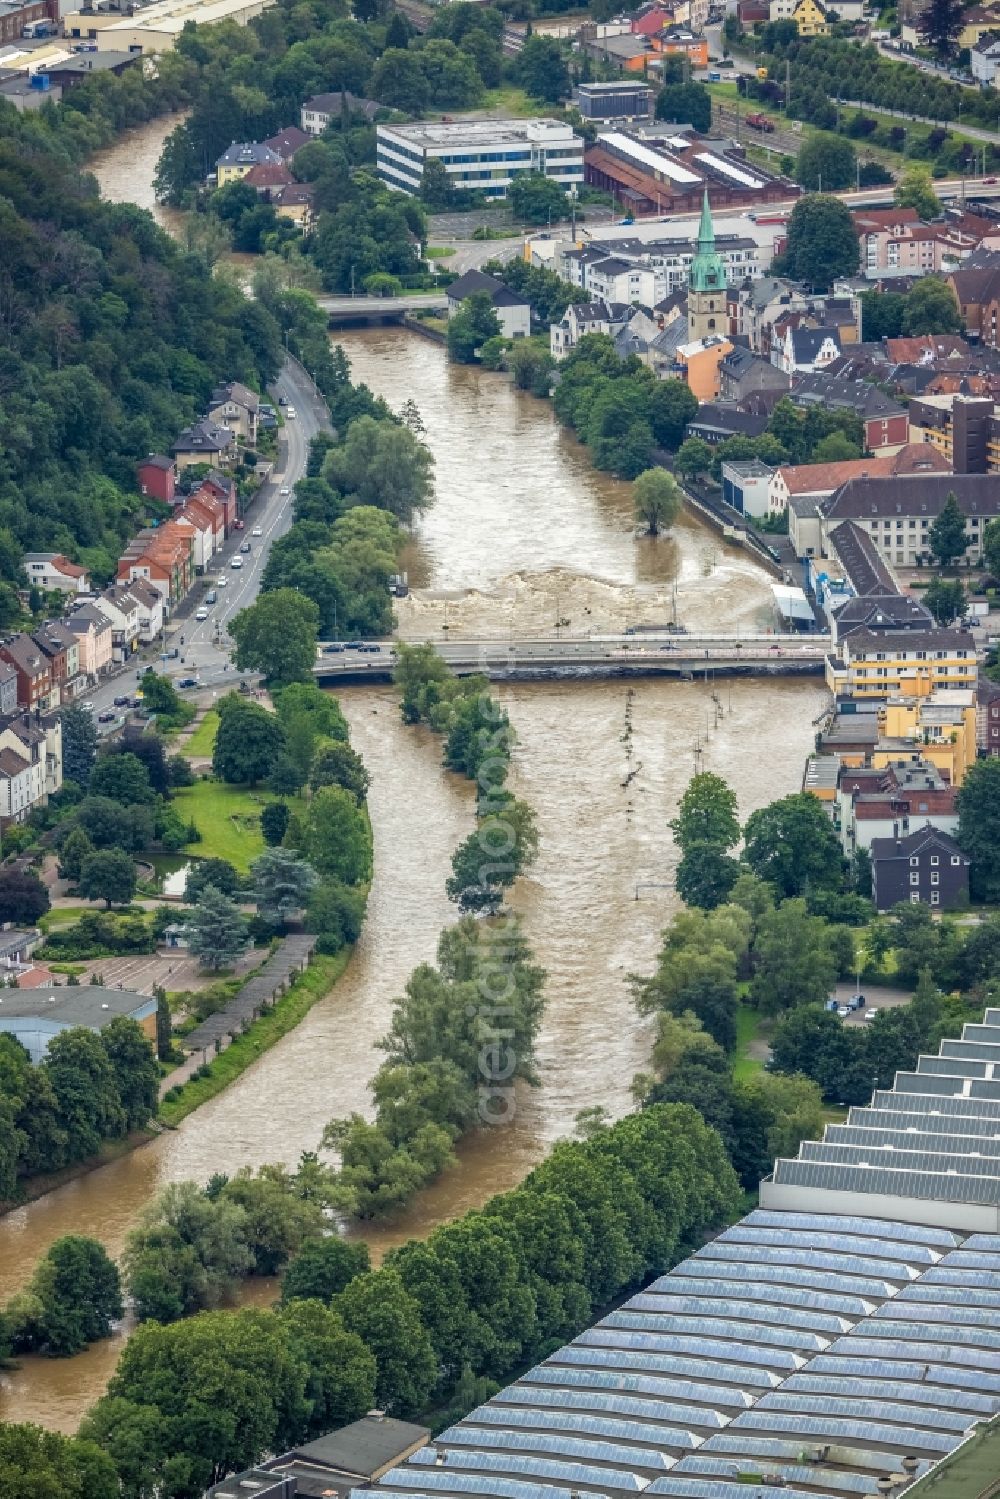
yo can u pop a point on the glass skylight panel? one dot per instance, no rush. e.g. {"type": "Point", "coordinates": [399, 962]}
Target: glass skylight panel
{"type": "Point", "coordinates": [620, 1405]}
{"type": "Point", "coordinates": [952, 1066]}
{"type": "Point", "coordinates": [906, 1117]}
{"type": "Point", "coordinates": [746, 1309]}
{"type": "Point", "coordinates": [935, 1374]}
{"type": "Point", "coordinates": [883, 1179]}
{"type": "Point", "coordinates": [719, 1326]}
{"type": "Point", "coordinates": [762, 1274]}
{"type": "Point", "coordinates": [905, 1234]}
{"type": "Point", "coordinates": [865, 1410]}
{"type": "Point", "coordinates": [885, 1340]}
{"type": "Point", "coordinates": [914, 1254]}
{"type": "Point", "coordinates": [955, 1296]}
{"type": "Point", "coordinates": [988, 1242]}
{"type": "Point", "coordinates": [973, 1260]}
{"type": "Point", "coordinates": [748, 1285]}
{"type": "Point", "coordinates": [827, 1428]}
{"type": "Point", "coordinates": [646, 1384]}
{"type": "Point", "coordinates": [965, 1324]}
{"type": "Point", "coordinates": [641, 1433]}
{"type": "Point", "coordinates": [583, 1354]}
{"type": "Point", "coordinates": [749, 1444]}
{"type": "Point", "coordinates": [896, 1388]}
{"type": "Point", "coordinates": [959, 1107]}
{"type": "Point", "coordinates": [518, 1465]}
{"type": "Point", "coordinates": [902, 1157]}
{"type": "Point", "coordinates": [438, 1480]}
{"type": "Point", "coordinates": [683, 1487]}
{"type": "Point", "coordinates": [841, 1264]}
{"type": "Point", "coordinates": [727, 1467]}
{"type": "Point", "coordinates": [558, 1444]}
{"type": "Point", "coordinates": [719, 1347]}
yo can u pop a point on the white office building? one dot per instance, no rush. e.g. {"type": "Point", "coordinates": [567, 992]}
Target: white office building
{"type": "Point", "coordinates": [480, 155]}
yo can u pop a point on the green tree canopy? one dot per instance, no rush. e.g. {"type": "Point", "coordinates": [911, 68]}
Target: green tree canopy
{"type": "Point", "coordinates": [822, 242]}
{"type": "Point", "coordinates": [657, 500]}
{"type": "Point", "coordinates": [276, 635]}
{"type": "Point", "coordinates": [947, 536]}
{"type": "Point", "coordinates": [249, 741]}
{"type": "Point", "coordinates": [791, 845]}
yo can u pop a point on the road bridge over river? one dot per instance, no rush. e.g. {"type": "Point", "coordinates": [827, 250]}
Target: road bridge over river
{"type": "Point", "coordinates": [341, 310]}
{"type": "Point", "coordinates": [572, 657]}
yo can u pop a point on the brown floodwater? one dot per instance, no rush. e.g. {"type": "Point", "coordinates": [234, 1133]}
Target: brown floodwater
{"type": "Point", "coordinates": [523, 535]}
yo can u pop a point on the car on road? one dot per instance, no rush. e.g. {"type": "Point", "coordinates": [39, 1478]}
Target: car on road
{"type": "Point", "coordinates": [108, 716]}
{"type": "Point", "coordinates": [872, 1010]}
{"type": "Point", "coordinates": [282, 400]}
{"type": "Point", "coordinates": [842, 1010]}
{"type": "Point", "coordinates": [222, 581]}
{"type": "Point", "coordinates": [187, 682]}
{"type": "Point", "coordinates": [202, 613]}
{"type": "Point", "coordinates": [238, 525]}
{"type": "Point", "coordinates": [210, 598]}
{"type": "Point", "coordinates": [246, 547]}
{"type": "Point", "coordinates": [284, 489]}
{"type": "Point", "coordinates": [87, 707]}
{"type": "Point", "coordinates": [290, 410]}
{"type": "Point", "coordinates": [333, 650]}
{"type": "Point", "coordinates": [257, 531]}
{"type": "Point", "coordinates": [236, 564]}
{"type": "Point", "coordinates": [136, 702]}
{"type": "Point", "coordinates": [371, 649]}
{"type": "Point", "coordinates": [121, 702]}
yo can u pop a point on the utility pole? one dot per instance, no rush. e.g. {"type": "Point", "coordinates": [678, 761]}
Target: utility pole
{"type": "Point", "coordinates": [787, 83]}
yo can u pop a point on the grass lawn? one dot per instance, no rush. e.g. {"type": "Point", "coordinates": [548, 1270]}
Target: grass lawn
{"type": "Point", "coordinates": [202, 741]}
{"type": "Point", "coordinates": [509, 101]}
{"type": "Point", "coordinates": [228, 819]}
{"type": "Point", "coordinates": [748, 1023]}
{"type": "Point", "coordinates": [439, 252]}
{"type": "Point", "coordinates": [313, 985]}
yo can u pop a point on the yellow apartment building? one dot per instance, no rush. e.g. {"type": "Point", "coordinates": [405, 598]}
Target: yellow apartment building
{"type": "Point", "coordinates": [913, 663]}
{"type": "Point", "coordinates": [940, 726]}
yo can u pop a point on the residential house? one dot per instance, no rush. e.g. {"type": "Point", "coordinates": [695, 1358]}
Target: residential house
{"type": "Point", "coordinates": [743, 373]}
{"type": "Point", "coordinates": [889, 801]}
{"type": "Point", "coordinates": [939, 725]}
{"type": "Point", "coordinates": [806, 350]}
{"type": "Point", "coordinates": [164, 556]}
{"type": "Point", "coordinates": [978, 293]}
{"type": "Point", "coordinates": [988, 717]}
{"type": "Point", "coordinates": [650, 19]}
{"type": "Point", "coordinates": [8, 689]}
{"type": "Point", "coordinates": [977, 21]}
{"type": "Point", "coordinates": [224, 489]}
{"type": "Point", "coordinates": [753, 13]}
{"type": "Point", "coordinates": [876, 663]}
{"type": "Point", "coordinates": [235, 407]}
{"type": "Point", "coordinates": [201, 522]}
{"type": "Point", "coordinates": [675, 41]}
{"type": "Point", "coordinates": [820, 480]}
{"type": "Point", "coordinates": [296, 202]}
{"type": "Point", "coordinates": [204, 441]}
{"type": "Point", "coordinates": [235, 162]}
{"type": "Point", "coordinates": [287, 141]}
{"type": "Point", "coordinates": [157, 476]}
{"type": "Point", "coordinates": [885, 422]}
{"type": "Point", "coordinates": [36, 738]}
{"type": "Point", "coordinates": [62, 647]}
{"type": "Point", "coordinates": [512, 310]}
{"type": "Point", "coordinates": [318, 111]}
{"type": "Point", "coordinates": [716, 421]}
{"type": "Point", "coordinates": [699, 365]}
{"type": "Point", "coordinates": [152, 609]}
{"type": "Point", "coordinates": [928, 866]}
{"type": "Point", "coordinates": [16, 787]}
{"type": "Point", "coordinates": [54, 573]}
{"type": "Point", "coordinates": [898, 516]}
{"type": "Point", "coordinates": [964, 429]}
{"type": "Point", "coordinates": [35, 687]}
{"type": "Point", "coordinates": [206, 496]}
{"type": "Point", "coordinates": [583, 318]}
{"type": "Point", "coordinates": [268, 179]}
{"type": "Point", "coordinates": [617, 280]}
{"type": "Point", "coordinates": [121, 607]}
{"type": "Point", "coordinates": [808, 15]}
{"type": "Point", "coordinates": [92, 628]}
{"type": "Point", "coordinates": [984, 58]}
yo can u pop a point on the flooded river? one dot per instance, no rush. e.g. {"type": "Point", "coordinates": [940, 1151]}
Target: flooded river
{"type": "Point", "coordinates": [523, 536]}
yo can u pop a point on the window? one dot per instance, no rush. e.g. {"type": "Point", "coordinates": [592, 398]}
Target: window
{"type": "Point", "coordinates": [935, 861]}
{"type": "Point", "coordinates": [935, 898]}
{"type": "Point", "coordinates": [914, 862]}
{"type": "Point", "coordinates": [915, 877]}
{"type": "Point", "coordinates": [935, 878]}
{"type": "Point", "coordinates": [915, 897]}
{"type": "Point", "coordinates": [956, 860]}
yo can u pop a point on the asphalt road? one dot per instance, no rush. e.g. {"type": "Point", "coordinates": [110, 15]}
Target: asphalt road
{"type": "Point", "coordinates": [205, 646]}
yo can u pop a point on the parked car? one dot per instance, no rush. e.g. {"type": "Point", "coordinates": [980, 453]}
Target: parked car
{"type": "Point", "coordinates": [238, 525]}
{"type": "Point", "coordinates": [187, 682]}
{"type": "Point", "coordinates": [333, 650]}
{"type": "Point", "coordinates": [842, 1010]}
{"type": "Point", "coordinates": [290, 411]}
{"type": "Point", "coordinates": [246, 547]}
{"type": "Point", "coordinates": [108, 716]}
{"type": "Point", "coordinates": [210, 598]}
{"type": "Point", "coordinates": [871, 1010]}
{"type": "Point", "coordinates": [285, 489]}
{"type": "Point", "coordinates": [222, 581]}
{"type": "Point", "coordinates": [87, 707]}
{"type": "Point", "coordinates": [121, 702]}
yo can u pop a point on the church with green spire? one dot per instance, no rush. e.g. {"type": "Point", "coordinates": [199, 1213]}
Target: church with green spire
{"type": "Point", "coordinates": [706, 283]}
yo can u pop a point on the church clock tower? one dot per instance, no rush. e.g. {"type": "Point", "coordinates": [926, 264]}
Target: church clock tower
{"type": "Point", "coordinates": [706, 284]}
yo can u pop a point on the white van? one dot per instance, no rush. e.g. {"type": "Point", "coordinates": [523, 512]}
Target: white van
{"type": "Point", "coordinates": [202, 613]}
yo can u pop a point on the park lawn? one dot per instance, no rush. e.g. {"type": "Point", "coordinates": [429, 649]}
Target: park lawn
{"type": "Point", "coordinates": [309, 987]}
{"type": "Point", "coordinates": [202, 741]}
{"type": "Point", "coordinates": [228, 819]}
{"type": "Point", "coordinates": [63, 915]}
{"type": "Point", "coordinates": [439, 252]}
{"type": "Point", "coordinates": [748, 1021]}
{"type": "Point", "coordinates": [509, 101]}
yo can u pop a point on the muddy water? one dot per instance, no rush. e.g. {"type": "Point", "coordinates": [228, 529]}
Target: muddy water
{"type": "Point", "coordinates": [125, 171]}
{"type": "Point", "coordinates": [523, 536]}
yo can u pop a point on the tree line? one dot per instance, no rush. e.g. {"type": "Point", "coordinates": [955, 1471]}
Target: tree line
{"type": "Point", "coordinates": [200, 1398]}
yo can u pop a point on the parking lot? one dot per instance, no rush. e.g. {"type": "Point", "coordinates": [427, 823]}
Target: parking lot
{"type": "Point", "coordinates": [877, 997]}
{"type": "Point", "coordinates": [174, 971]}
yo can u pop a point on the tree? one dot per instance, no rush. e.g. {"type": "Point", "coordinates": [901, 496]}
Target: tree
{"type": "Point", "coordinates": [276, 635]}
{"type": "Point", "coordinates": [323, 1267]}
{"type": "Point", "coordinates": [536, 199]}
{"type": "Point", "coordinates": [670, 406]}
{"type": "Point", "coordinates": [282, 884]}
{"type": "Point", "coordinates": [657, 500]}
{"type": "Point", "coordinates": [938, 26]}
{"type": "Point", "coordinates": [930, 306]}
{"type": "Point", "coordinates": [991, 546]}
{"type": "Point", "coordinates": [137, 1077]}
{"type": "Point", "coordinates": [336, 764]}
{"type": "Point", "coordinates": [706, 813]}
{"type": "Point", "coordinates": [822, 242]}
{"type": "Point", "coordinates": [85, 1092]}
{"type": "Point", "coordinates": [825, 161]}
{"type": "Point", "coordinates": [687, 103]}
{"type": "Point", "coordinates": [108, 874]}
{"type": "Point", "coordinates": [542, 72]}
{"type": "Point", "coordinates": [274, 822]}
{"type": "Point", "coordinates": [979, 827]}
{"type": "Point", "coordinates": [945, 599]}
{"type": "Point", "coordinates": [947, 537]}
{"type": "Point", "coordinates": [791, 844]}
{"type": "Point", "coordinates": [436, 185]}
{"type": "Point", "coordinates": [705, 875]}
{"type": "Point", "coordinates": [23, 897]}
{"type": "Point", "coordinates": [336, 838]}
{"type": "Point", "coordinates": [216, 931]}
{"type": "Point", "coordinates": [123, 778]}
{"type": "Point", "coordinates": [217, 872]}
{"type": "Point", "coordinates": [694, 458]}
{"type": "Point", "coordinates": [503, 846]}
{"type": "Point", "coordinates": [74, 1296]}
{"type": "Point", "coordinates": [74, 850]}
{"type": "Point", "coordinates": [386, 468]}
{"type": "Point", "coordinates": [794, 963]}
{"type": "Point", "coordinates": [39, 1464]}
{"type": "Point", "coordinates": [471, 326]}
{"type": "Point", "coordinates": [79, 743]}
{"type": "Point", "coordinates": [159, 696]}
{"type": "Point", "coordinates": [249, 741]}
{"type": "Point", "coordinates": [340, 1370]}
{"type": "Point", "coordinates": [387, 1319]}
{"type": "Point", "coordinates": [914, 189]}
{"type": "Point", "coordinates": [835, 447]}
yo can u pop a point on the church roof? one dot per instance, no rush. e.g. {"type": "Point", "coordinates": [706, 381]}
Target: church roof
{"type": "Point", "coordinates": [708, 269]}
